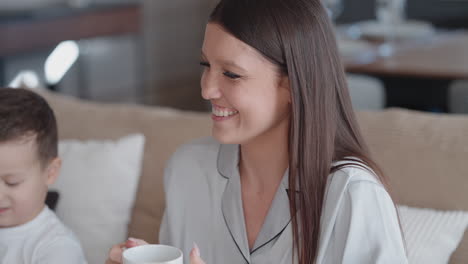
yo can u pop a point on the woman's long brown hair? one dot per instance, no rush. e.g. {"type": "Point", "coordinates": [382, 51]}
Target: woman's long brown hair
{"type": "Point", "coordinates": [298, 37]}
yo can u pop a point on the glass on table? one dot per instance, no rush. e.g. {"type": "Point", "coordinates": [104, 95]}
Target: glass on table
{"type": "Point", "coordinates": [390, 14]}
{"type": "Point", "coordinates": [334, 8]}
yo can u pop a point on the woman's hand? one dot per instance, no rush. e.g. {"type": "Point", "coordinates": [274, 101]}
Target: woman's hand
{"type": "Point", "coordinates": [195, 255]}
{"type": "Point", "coordinates": [115, 254]}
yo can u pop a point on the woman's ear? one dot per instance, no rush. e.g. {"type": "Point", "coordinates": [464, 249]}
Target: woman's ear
{"type": "Point", "coordinates": [53, 170]}
{"type": "Point", "coordinates": [284, 84]}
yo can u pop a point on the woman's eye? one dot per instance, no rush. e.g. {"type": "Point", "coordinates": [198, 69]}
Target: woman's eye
{"type": "Point", "coordinates": [204, 64]}
{"type": "Point", "coordinates": [12, 184]}
{"type": "Point", "coordinates": [231, 75]}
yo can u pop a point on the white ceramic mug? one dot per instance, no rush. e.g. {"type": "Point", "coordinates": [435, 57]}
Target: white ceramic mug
{"type": "Point", "coordinates": [153, 254]}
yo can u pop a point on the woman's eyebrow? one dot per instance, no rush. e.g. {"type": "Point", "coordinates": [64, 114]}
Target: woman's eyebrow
{"type": "Point", "coordinates": [232, 64]}
{"type": "Point", "coordinates": [6, 176]}
{"type": "Point", "coordinates": [226, 62]}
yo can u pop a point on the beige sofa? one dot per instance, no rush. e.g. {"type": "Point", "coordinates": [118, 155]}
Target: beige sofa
{"type": "Point", "coordinates": [424, 155]}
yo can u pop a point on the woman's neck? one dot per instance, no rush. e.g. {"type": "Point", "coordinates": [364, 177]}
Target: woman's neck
{"type": "Point", "coordinates": [264, 159]}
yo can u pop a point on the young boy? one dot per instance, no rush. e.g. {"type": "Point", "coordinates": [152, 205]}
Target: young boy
{"type": "Point", "coordinates": [29, 231]}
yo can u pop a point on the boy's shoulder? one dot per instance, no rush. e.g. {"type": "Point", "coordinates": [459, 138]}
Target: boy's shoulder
{"type": "Point", "coordinates": [45, 238]}
{"type": "Point", "coordinates": [55, 237]}
{"type": "Point", "coordinates": [53, 226]}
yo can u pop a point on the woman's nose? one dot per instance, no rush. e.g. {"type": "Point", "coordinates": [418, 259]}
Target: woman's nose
{"type": "Point", "coordinates": [3, 192]}
{"type": "Point", "coordinates": [209, 87]}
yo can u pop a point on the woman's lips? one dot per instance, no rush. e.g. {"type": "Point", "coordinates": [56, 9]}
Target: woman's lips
{"type": "Point", "coordinates": [220, 113]}
{"type": "Point", "coordinates": [222, 118]}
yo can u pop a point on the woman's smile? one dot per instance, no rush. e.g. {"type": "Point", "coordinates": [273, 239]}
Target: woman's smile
{"type": "Point", "coordinates": [220, 113]}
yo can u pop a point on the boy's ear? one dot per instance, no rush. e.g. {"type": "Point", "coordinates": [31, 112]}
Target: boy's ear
{"type": "Point", "coordinates": [53, 170]}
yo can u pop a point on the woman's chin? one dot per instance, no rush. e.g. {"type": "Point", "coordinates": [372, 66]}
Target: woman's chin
{"type": "Point", "coordinates": [223, 137]}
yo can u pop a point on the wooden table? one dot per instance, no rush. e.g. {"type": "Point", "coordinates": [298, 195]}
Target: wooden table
{"type": "Point", "coordinates": [35, 30]}
{"type": "Point", "coordinates": [419, 72]}
{"type": "Point", "coordinates": [444, 56]}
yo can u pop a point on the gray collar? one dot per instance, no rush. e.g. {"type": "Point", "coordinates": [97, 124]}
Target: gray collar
{"type": "Point", "coordinates": [278, 216]}
{"type": "Point", "coordinates": [228, 162]}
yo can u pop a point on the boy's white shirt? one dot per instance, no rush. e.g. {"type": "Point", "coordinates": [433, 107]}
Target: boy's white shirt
{"type": "Point", "coordinates": [45, 239]}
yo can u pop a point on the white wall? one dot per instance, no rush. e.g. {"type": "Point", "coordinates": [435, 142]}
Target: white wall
{"type": "Point", "coordinates": [163, 69]}
{"type": "Point", "coordinates": [174, 34]}
{"type": "Point", "coordinates": [108, 69]}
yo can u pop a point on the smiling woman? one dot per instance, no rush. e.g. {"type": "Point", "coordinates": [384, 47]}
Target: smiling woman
{"type": "Point", "coordinates": [286, 177]}
{"type": "Point", "coordinates": [247, 92]}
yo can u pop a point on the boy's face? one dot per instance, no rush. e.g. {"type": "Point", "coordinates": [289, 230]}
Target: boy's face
{"type": "Point", "coordinates": [23, 181]}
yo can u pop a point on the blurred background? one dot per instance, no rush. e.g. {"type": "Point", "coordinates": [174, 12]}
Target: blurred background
{"type": "Point", "coordinates": [403, 53]}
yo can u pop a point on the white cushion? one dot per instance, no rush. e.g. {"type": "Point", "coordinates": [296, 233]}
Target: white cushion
{"type": "Point", "coordinates": [97, 187]}
{"type": "Point", "coordinates": [431, 235]}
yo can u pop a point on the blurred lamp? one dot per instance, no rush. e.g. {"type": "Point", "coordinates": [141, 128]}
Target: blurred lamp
{"type": "Point", "coordinates": [60, 61]}
{"type": "Point", "coordinates": [25, 79]}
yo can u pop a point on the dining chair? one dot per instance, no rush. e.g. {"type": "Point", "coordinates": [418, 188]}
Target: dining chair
{"type": "Point", "coordinates": [458, 97]}
{"type": "Point", "coordinates": [367, 93]}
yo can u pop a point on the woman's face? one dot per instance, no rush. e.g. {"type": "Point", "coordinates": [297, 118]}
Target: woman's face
{"type": "Point", "coordinates": [249, 96]}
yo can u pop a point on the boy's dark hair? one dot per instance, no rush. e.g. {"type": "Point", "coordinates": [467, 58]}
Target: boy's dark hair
{"type": "Point", "coordinates": [24, 114]}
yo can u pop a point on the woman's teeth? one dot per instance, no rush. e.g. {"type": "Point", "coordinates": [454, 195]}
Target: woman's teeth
{"type": "Point", "coordinates": [223, 113]}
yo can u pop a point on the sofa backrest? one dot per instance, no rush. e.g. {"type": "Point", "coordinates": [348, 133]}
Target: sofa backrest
{"type": "Point", "coordinates": [424, 155]}
{"type": "Point", "coordinates": [164, 130]}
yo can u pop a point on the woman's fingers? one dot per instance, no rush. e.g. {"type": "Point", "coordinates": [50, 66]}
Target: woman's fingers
{"type": "Point", "coordinates": [195, 255]}
{"type": "Point", "coordinates": [133, 242]}
{"type": "Point", "coordinates": [115, 254]}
